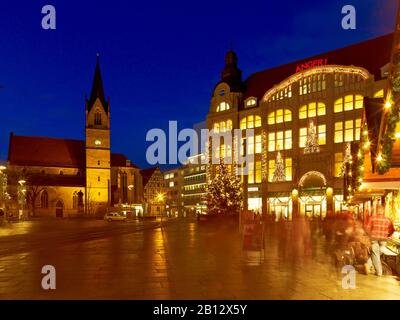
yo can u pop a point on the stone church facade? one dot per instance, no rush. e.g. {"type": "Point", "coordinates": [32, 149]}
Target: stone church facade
{"type": "Point", "coordinates": [65, 177]}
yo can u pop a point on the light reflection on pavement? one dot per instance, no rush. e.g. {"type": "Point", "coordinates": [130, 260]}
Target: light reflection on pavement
{"type": "Point", "coordinates": [182, 260]}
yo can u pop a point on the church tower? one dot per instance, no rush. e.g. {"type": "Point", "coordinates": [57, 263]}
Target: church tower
{"type": "Point", "coordinates": [98, 170]}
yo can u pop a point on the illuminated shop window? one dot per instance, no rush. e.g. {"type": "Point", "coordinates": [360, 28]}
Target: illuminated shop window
{"type": "Point", "coordinates": [250, 122]}
{"type": "Point", "coordinates": [338, 163]}
{"type": "Point", "coordinates": [312, 110]}
{"type": "Point", "coordinates": [379, 94]}
{"type": "Point", "coordinates": [302, 137]}
{"type": "Point", "coordinates": [280, 140]}
{"type": "Point", "coordinates": [351, 132]}
{"type": "Point", "coordinates": [321, 133]}
{"type": "Point", "coordinates": [349, 102]}
{"type": "Point", "coordinates": [258, 174]}
{"type": "Point", "coordinates": [271, 169]}
{"type": "Point", "coordinates": [288, 169]}
{"type": "Point", "coordinates": [223, 106]}
{"type": "Point", "coordinates": [338, 132]}
{"type": "Point", "coordinates": [279, 116]}
{"type": "Point", "coordinates": [258, 144]}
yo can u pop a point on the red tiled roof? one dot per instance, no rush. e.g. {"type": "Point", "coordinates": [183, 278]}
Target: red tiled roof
{"type": "Point", "coordinates": [371, 55]}
{"type": "Point", "coordinates": [119, 160]}
{"type": "Point", "coordinates": [42, 151]}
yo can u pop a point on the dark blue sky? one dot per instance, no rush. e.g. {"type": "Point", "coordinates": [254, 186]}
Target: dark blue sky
{"type": "Point", "coordinates": [159, 59]}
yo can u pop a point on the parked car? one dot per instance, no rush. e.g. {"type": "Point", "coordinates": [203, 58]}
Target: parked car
{"type": "Point", "coordinates": [114, 216]}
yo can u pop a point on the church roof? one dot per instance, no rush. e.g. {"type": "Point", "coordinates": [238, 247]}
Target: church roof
{"type": "Point", "coordinates": [43, 151]}
{"type": "Point", "coordinates": [97, 89]}
{"type": "Point", "coordinates": [371, 54]}
{"type": "Point", "coordinates": [120, 160]}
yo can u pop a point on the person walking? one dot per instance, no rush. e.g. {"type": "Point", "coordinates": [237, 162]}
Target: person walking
{"type": "Point", "coordinates": [379, 228]}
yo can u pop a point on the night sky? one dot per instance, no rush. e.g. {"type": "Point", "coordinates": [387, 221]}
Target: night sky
{"type": "Point", "coordinates": [160, 59]}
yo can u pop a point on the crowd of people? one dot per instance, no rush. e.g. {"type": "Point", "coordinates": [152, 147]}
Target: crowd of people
{"type": "Point", "coordinates": [366, 239]}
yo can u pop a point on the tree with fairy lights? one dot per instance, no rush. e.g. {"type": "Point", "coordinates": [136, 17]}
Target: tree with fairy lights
{"type": "Point", "coordinates": [312, 145]}
{"type": "Point", "coordinates": [224, 192]}
{"type": "Point", "coordinates": [279, 172]}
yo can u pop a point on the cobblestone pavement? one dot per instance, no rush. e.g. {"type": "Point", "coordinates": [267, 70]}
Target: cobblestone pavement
{"type": "Point", "coordinates": [182, 260]}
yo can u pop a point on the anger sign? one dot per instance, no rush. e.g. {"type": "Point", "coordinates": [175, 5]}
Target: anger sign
{"type": "Point", "coordinates": [311, 64]}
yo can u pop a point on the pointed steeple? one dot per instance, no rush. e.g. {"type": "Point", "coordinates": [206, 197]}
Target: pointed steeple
{"type": "Point", "coordinates": [97, 88]}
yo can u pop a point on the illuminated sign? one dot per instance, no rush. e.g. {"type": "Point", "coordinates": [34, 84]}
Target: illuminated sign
{"type": "Point", "coordinates": [311, 64]}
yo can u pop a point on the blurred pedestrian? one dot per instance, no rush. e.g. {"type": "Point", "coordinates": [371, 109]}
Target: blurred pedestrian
{"type": "Point", "coordinates": [379, 228]}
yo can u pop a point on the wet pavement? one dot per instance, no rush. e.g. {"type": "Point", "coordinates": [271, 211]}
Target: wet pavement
{"type": "Point", "coordinates": [182, 260]}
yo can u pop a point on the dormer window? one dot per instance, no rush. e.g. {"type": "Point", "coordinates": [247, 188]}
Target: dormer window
{"type": "Point", "coordinates": [97, 118]}
{"type": "Point", "coordinates": [221, 92]}
{"type": "Point", "coordinates": [251, 102]}
{"type": "Point", "coordinates": [223, 106]}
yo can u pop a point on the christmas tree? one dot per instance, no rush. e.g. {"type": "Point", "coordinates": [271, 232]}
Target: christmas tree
{"type": "Point", "coordinates": [279, 173]}
{"type": "Point", "coordinates": [224, 192]}
{"type": "Point", "coordinates": [312, 140]}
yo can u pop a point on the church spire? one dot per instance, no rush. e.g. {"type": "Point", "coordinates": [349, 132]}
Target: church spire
{"type": "Point", "coordinates": [97, 88]}
{"type": "Point", "coordinates": [231, 74]}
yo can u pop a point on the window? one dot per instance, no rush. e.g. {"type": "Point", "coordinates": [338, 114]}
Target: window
{"type": "Point", "coordinates": [313, 83]}
{"type": "Point", "coordinates": [279, 116]}
{"type": "Point", "coordinates": [338, 132]}
{"type": "Point", "coordinates": [250, 122]}
{"type": "Point", "coordinates": [282, 94]}
{"type": "Point", "coordinates": [271, 169]}
{"type": "Point", "coordinates": [312, 110]}
{"type": "Point", "coordinates": [258, 144]}
{"type": "Point", "coordinates": [44, 200]}
{"type": "Point", "coordinates": [288, 169]}
{"type": "Point", "coordinates": [338, 80]}
{"type": "Point", "coordinates": [251, 102]}
{"type": "Point", "coordinates": [322, 134]}
{"type": "Point", "coordinates": [379, 94]}
{"type": "Point", "coordinates": [302, 137]}
{"type": "Point", "coordinates": [222, 126]}
{"type": "Point", "coordinates": [351, 131]}
{"type": "Point", "coordinates": [280, 140]}
{"type": "Point", "coordinates": [223, 106]}
{"type": "Point", "coordinates": [338, 164]}
{"type": "Point", "coordinates": [258, 174]}
{"type": "Point", "coordinates": [358, 129]}
{"type": "Point", "coordinates": [349, 102]}
{"type": "Point", "coordinates": [98, 179]}
{"type": "Point", "coordinates": [97, 118]}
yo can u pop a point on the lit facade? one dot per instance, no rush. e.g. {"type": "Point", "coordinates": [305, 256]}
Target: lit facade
{"type": "Point", "coordinates": [194, 185]}
{"type": "Point", "coordinates": [284, 105]}
{"type": "Point", "coordinates": [66, 177]}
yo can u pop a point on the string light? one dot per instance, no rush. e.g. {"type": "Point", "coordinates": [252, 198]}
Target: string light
{"type": "Point", "coordinates": [379, 158]}
{"type": "Point", "coordinates": [388, 105]}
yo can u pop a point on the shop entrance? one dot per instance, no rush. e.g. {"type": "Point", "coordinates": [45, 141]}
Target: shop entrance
{"type": "Point", "coordinates": [313, 210]}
